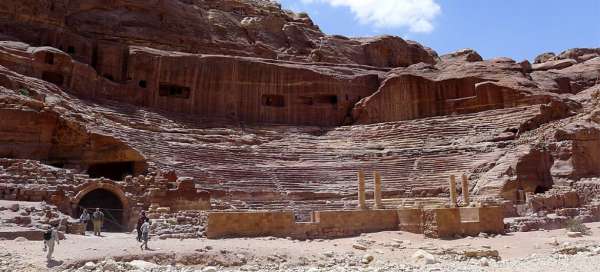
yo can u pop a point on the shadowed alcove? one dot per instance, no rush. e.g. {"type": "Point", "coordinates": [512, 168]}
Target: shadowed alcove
{"type": "Point", "coordinates": [109, 203]}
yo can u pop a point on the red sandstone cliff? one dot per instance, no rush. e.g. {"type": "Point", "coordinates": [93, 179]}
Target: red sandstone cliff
{"type": "Point", "coordinates": [264, 110]}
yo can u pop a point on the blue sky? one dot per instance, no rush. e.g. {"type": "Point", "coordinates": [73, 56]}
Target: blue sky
{"type": "Point", "coordinates": [519, 29]}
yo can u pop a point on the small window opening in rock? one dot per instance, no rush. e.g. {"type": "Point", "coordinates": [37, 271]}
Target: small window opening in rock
{"type": "Point", "coordinates": [271, 100]}
{"type": "Point", "coordinates": [112, 170]}
{"type": "Point", "coordinates": [109, 77]}
{"type": "Point", "coordinates": [58, 164]}
{"type": "Point", "coordinates": [49, 58]}
{"type": "Point", "coordinates": [346, 97]}
{"type": "Point", "coordinates": [143, 84]}
{"type": "Point", "coordinates": [305, 100]}
{"type": "Point", "coordinates": [71, 49]}
{"type": "Point", "coordinates": [53, 77]}
{"type": "Point", "coordinates": [173, 91]}
{"type": "Point", "coordinates": [327, 99]}
{"type": "Point", "coordinates": [540, 190]}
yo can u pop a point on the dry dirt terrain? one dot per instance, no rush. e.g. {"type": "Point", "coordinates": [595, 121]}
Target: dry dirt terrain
{"type": "Point", "coordinates": [390, 251]}
{"type": "Point", "coordinates": [238, 118]}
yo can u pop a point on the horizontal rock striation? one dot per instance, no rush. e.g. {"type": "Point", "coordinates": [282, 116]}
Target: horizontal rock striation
{"type": "Point", "coordinates": [261, 110]}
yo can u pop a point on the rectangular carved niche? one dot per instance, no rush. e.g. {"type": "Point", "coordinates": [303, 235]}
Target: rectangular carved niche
{"type": "Point", "coordinates": [53, 77]}
{"type": "Point", "coordinates": [326, 99]}
{"type": "Point", "coordinates": [170, 90]}
{"type": "Point", "coordinates": [272, 100]}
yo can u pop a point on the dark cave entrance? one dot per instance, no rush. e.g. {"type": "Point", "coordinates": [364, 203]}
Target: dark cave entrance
{"type": "Point", "coordinates": [109, 203]}
{"type": "Point", "coordinates": [112, 170]}
{"type": "Point", "coordinates": [540, 190]}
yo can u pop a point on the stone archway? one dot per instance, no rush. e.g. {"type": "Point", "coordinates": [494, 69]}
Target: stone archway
{"type": "Point", "coordinates": [110, 198]}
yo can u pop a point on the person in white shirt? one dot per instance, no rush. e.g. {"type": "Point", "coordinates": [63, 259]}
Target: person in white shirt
{"type": "Point", "coordinates": [84, 218]}
{"type": "Point", "coordinates": [50, 238]}
{"type": "Point", "coordinates": [145, 234]}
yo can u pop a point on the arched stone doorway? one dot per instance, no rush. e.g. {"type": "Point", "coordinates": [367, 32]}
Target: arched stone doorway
{"type": "Point", "coordinates": [110, 199]}
{"type": "Point", "coordinates": [108, 203]}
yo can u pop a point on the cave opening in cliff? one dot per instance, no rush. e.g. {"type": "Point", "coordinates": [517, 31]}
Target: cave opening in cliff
{"type": "Point", "coordinates": [109, 203]}
{"type": "Point", "coordinates": [305, 100]}
{"type": "Point", "coordinates": [49, 58]}
{"type": "Point", "coordinates": [112, 170]}
{"type": "Point", "coordinates": [143, 84]}
{"type": "Point", "coordinates": [176, 91]}
{"type": "Point", "coordinates": [272, 100]}
{"type": "Point", "coordinates": [53, 77]}
{"type": "Point", "coordinates": [71, 49]}
{"type": "Point", "coordinates": [540, 190]}
{"type": "Point", "coordinates": [327, 99]}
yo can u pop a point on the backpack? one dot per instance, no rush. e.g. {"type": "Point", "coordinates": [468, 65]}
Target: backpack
{"type": "Point", "coordinates": [48, 235]}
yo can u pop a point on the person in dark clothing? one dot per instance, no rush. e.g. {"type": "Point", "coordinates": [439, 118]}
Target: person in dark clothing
{"type": "Point", "coordinates": [140, 222]}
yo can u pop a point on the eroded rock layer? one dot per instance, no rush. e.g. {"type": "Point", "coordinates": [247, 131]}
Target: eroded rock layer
{"type": "Point", "coordinates": [263, 110]}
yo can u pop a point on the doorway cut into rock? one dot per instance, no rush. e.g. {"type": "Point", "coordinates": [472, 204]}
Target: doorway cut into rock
{"type": "Point", "coordinates": [112, 170]}
{"type": "Point", "coordinates": [109, 203]}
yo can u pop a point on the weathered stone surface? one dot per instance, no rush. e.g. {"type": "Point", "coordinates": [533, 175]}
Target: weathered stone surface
{"type": "Point", "coordinates": [238, 28]}
{"type": "Point", "coordinates": [554, 65]}
{"type": "Point", "coordinates": [544, 57]}
{"type": "Point", "coordinates": [467, 54]}
{"type": "Point", "coordinates": [264, 111]}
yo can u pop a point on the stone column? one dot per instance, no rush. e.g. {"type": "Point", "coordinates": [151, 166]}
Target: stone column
{"type": "Point", "coordinates": [361, 190]}
{"type": "Point", "coordinates": [452, 191]}
{"type": "Point", "coordinates": [377, 193]}
{"type": "Point", "coordinates": [465, 190]}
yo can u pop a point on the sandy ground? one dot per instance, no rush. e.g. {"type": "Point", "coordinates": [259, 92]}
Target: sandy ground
{"type": "Point", "coordinates": [76, 248]}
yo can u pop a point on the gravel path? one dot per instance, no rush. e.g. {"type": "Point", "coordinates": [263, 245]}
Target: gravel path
{"type": "Point", "coordinates": [384, 251]}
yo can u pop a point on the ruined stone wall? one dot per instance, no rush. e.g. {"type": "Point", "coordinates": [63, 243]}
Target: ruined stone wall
{"type": "Point", "coordinates": [26, 180]}
{"type": "Point", "coordinates": [184, 197]}
{"type": "Point", "coordinates": [250, 224]}
{"type": "Point", "coordinates": [347, 223]}
{"type": "Point", "coordinates": [447, 222]}
{"type": "Point", "coordinates": [411, 220]}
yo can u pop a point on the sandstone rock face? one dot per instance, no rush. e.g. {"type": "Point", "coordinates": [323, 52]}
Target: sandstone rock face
{"type": "Point", "coordinates": [544, 57]}
{"type": "Point", "coordinates": [468, 55]}
{"type": "Point", "coordinates": [263, 111]}
{"type": "Point", "coordinates": [453, 86]}
{"type": "Point", "coordinates": [554, 65]}
{"type": "Point", "coordinates": [239, 28]}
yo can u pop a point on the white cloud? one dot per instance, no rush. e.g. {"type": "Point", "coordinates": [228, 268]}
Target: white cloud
{"type": "Point", "coordinates": [417, 15]}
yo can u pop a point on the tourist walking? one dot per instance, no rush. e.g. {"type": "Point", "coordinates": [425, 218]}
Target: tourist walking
{"type": "Point", "coordinates": [140, 222]}
{"type": "Point", "coordinates": [84, 219]}
{"type": "Point", "coordinates": [50, 239]}
{"type": "Point", "coordinates": [97, 221]}
{"type": "Point", "coordinates": [145, 234]}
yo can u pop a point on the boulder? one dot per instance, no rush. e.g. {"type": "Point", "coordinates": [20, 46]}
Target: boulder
{"type": "Point", "coordinates": [20, 239]}
{"type": "Point", "coordinates": [143, 265]}
{"type": "Point", "coordinates": [89, 266]}
{"type": "Point", "coordinates": [209, 269]}
{"type": "Point", "coordinates": [424, 256]}
{"type": "Point", "coordinates": [544, 57]}
{"type": "Point", "coordinates": [574, 234]}
{"type": "Point", "coordinates": [554, 65]}
{"type": "Point", "coordinates": [368, 258]}
{"type": "Point", "coordinates": [359, 246]}
{"type": "Point", "coordinates": [467, 54]}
